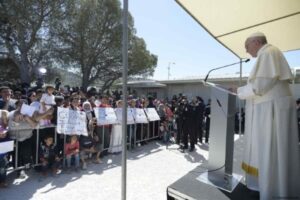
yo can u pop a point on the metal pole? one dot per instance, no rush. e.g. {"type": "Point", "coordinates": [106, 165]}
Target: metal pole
{"type": "Point", "coordinates": [134, 133]}
{"type": "Point", "coordinates": [37, 145]}
{"type": "Point", "coordinates": [153, 129]}
{"type": "Point", "coordinates": [240, 101]}
{"type": "Point", "coordinates": [16, 154]}
{"type": "Point", "coordinates": [64, 157]}
{"type": "Point", "coordinates": [124, 117]}
{"type": "Point", "coordinates": [103, 138]}
{"type": "Point", "coordinates": [148, 131]}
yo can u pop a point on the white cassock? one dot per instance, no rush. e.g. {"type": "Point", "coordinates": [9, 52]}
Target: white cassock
{"type": "Point", "coordinates": [271, 160]}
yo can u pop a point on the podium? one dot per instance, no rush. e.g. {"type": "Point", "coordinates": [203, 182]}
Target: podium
{"type": "Point", "coordinates": [220, 162]}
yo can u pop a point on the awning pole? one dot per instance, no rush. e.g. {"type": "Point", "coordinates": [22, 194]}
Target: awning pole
{"type": "Point", "coordinates": [124, 113]}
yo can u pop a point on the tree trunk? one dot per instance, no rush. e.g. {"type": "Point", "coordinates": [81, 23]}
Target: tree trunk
{"type": "Point", "coordinates": [24, 70]}
{"type": "Point", "coordinates": [85, 81]}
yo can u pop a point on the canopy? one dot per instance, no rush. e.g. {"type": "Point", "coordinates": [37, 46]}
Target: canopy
{"type": "Point", "coordinates": [232, 21]}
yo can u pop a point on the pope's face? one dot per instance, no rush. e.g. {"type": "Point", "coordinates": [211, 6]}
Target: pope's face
{"type": "Point", "coordinates": [252, 46]}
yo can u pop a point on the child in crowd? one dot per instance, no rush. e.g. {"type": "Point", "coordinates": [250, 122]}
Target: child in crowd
{"type": "Point", "coordinates": [49, 156]}
{"type": "Point", "coordinates": [47, 102]}
{"type": "Point", "coordinates": [164, 130]}
{"type": "Point", "coordinates": [72, 151]}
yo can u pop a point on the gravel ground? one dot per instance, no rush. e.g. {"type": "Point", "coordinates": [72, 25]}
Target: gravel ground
{"type": "Point", "coordinates": [150, 170]}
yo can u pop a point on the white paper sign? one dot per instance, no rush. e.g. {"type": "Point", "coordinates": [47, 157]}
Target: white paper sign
{"type": "Point", "coordinates": [6, 146]}
{"type": "Point", "coordinates": [139, 115]}
{"type": "Point", "coordinates": [71, 122]}
{"type": "Point", "coordinates": [119, 112]}
{"type": "Point", "coordinates": [27, 110]}
{"type": "Point", "coordinates": [152, 114]}
{"type": "Point", "coordinates": [105, 116]}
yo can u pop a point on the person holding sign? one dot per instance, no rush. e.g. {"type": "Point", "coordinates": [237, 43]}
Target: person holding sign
{"type": "Point", "coordinates": [115, 145]}
{"type": "Point", "coordinates": [87, 143]}
{"type": "Point", "coordinates": [104, 130]}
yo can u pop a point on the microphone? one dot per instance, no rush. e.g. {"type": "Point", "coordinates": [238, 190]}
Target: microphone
{"type": "Point", "coordinates": [247, 60]}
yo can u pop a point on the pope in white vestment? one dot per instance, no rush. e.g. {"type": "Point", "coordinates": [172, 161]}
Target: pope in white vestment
{"type": "Point", "coordinates": [271, 160]}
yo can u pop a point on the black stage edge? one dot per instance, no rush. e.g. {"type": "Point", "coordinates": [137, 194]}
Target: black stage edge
{"type": "Point", "coordinates": [189, 188]}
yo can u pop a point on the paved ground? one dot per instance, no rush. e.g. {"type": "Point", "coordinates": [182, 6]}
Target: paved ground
{"type": "Point", "coordinates": [150, 170]}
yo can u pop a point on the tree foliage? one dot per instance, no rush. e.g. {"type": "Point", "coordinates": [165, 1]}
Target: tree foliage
{"type": "Point", "coordinates": [23, 33]}
{"type": "Point", "coordinates": [78, 34]}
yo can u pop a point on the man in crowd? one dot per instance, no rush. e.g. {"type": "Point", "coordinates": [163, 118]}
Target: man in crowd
{"type": "Point", "coordinates": [6, 103]}
{"type": "Point", "coordinates": [271, 159]}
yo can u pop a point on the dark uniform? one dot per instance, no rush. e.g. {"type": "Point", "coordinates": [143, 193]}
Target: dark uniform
{"type": "Point", "coordinates": [179, 121]}
{"type": "Point", "coordinates": [200, 115]}
{"type": "Point", "coordinates": [193, 124]}
{"type": "Point", "coordinates": [207, 121]}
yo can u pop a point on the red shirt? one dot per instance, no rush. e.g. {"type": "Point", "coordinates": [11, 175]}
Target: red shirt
{"type": "Point", "coordinates": [71, 148]}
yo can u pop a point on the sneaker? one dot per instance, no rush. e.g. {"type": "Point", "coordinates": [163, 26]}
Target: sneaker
{"type": "Point", "coordinates": [192, 149]}
{"type": "Point", "coordinates": [21, 174]}
{"type": "Point", "coordinates": [98, 161]}
{"type": "Point", "coordinates": [55, 172]}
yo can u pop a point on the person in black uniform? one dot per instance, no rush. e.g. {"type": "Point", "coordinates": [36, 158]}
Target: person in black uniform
{"type": "Point", "coordinates": [193, 123]}
{"type": "Point", "coordinates": [185, 123]}
{"type": "Point", "coordinates": [200, 117]}
{"type": "Point", "coordinates": [178, 111]}
{"type": "Point", "coordinates": [207, 120]}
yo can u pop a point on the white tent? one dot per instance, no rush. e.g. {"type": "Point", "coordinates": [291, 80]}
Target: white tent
{"type": "Point", "coordinates": [231, 21]}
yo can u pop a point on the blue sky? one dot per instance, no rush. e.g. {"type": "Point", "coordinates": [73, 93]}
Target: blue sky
{"type": "Point", "coordinates": [172, 35]}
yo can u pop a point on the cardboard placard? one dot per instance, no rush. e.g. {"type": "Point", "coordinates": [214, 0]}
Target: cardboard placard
{"type": "Point", "coordinates": [71, 122]}
{"type": "Point", "coordinates": [105, 116]}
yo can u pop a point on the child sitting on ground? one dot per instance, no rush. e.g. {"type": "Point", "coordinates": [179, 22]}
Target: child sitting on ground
{"type": "Point", "coordinates": [49, 156]}
{"type": "Point", "coordinates": [72, 151]}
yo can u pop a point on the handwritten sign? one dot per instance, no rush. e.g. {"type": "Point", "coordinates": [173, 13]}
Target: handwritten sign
{"type": "Point", "coordinates": [152, 114]}
{"type": "Point", "coordinates": [105, 116]}
{"type": "Point", "coordinates": [27, 110]}
{"type": "Point", "coordinates": [6, 146]}
{"type": "Point", "coordinates": [139, 115]}
{"type": "Point", "coordinates": [70, 122]}
{"type": "Point", "coordinates": [119, 113]}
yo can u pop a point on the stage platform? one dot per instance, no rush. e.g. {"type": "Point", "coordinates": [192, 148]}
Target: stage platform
{"type": "Point", "coordinates": [189, 188]}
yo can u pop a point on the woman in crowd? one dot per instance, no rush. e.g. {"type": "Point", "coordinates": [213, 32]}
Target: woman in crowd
{"type": "Point", "coordinates": [115, 145]}
{"type": "Point", "coordinates": [87, 143]}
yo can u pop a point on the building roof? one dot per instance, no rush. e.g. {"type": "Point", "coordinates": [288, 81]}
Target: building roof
{"type": "Point", "coordinates": [144, 84]}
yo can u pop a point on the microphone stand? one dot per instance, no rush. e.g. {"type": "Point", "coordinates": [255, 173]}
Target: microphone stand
{"type": "Point", "coordinates": [247, 60]}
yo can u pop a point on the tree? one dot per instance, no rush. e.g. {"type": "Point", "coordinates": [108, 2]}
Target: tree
{"type": "Point", "coordinates": [90, 38]}
{"type": "Point", "coordinates": [23, 33]}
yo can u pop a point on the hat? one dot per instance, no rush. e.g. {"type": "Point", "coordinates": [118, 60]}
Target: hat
{"type": "Point", "coordinates": [4, 88]}
{"type": "Point", "coordinates": [49, 86]}
{"type": "Point", "coordinates": [257, 34]}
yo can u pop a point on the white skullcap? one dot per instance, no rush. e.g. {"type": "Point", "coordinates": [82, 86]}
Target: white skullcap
{"type": "Point", "coordinates": [257, 34]}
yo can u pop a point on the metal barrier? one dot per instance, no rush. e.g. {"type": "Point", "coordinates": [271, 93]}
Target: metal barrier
{"type": "Point", "coordinates": [132, 137]}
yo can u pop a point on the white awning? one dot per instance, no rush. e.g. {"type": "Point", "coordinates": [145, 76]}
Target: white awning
{"type": "Point", "coordinates": [232, 21]}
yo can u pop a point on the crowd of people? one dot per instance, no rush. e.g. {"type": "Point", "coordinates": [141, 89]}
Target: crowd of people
{"type": "Point", "coordinates": [187, 122]}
